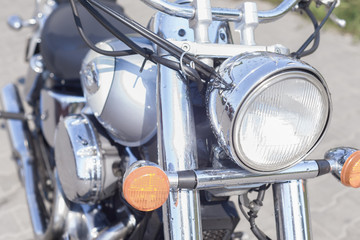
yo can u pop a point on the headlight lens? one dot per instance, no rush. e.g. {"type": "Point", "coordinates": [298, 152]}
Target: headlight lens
{"type": "Point", "coordinates": [275, 113]}
{"type": "Point", "coordinates": [278, 123]}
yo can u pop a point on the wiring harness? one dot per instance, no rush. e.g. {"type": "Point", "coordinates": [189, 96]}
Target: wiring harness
{"type": "Point", "coordinates": [192, 67]}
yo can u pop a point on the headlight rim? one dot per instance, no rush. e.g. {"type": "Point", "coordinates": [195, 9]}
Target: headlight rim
{"type": "Point", "coordinates": [266, 65]}
{"type": "Point", "coordinates": [248, 99]}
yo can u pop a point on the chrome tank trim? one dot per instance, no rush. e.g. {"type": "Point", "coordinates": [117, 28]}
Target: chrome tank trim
{"type": "Point", "coordinates": [122, 92]}
{"type": "Point", "coordinates": [106, 66]}
{"type": "Point", "coordinates": [177, 151]}
{"type": "Point", "coordinates": [292, 212]}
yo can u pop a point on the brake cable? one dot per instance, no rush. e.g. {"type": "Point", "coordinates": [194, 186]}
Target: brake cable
{"type": "Point", "coordinates": [309, 13]}
{"type": "Point", "coordinates": [201, 70]}
{"type": "Point", "coordinates": [300, 53]}
{"type": "Point", "coordinates": [88, 42]}
{"type": "Point", "coordinates": [254, 207]}
{"type": "Point", "coordinates": [204, 70]}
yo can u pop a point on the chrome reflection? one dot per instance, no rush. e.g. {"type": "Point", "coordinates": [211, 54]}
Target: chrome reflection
{"type": "Point", "coordinates": [53, 107]}
{"type": "Point", "coordinates": [177, 151]}
{"type": "Point", "coordinates": [84, 159]}
{"type": "Point", "coordinates": [18, 131]}
{"type": "Point", "coordinates": [89, 222]}
{"type": "Point", "coordinates": [244, 95]}
{"type": "Point", "coordinates": [338, 156]}
{"type": "Point", "coordinates": [292, 210]}
{"type": "Point", "coordinates": [122, 98]}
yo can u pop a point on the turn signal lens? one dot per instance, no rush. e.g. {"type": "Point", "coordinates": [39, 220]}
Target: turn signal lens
{"type": "Point", "coordinates": [350, 173]}
{"type": "Point", "coordinates": [146, 188]}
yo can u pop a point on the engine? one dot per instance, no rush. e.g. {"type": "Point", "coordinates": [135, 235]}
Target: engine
{"type": "Point", "coordinates": [85, 160]}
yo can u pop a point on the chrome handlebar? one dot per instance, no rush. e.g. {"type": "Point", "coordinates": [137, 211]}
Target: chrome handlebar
{"type": "Point", "coordinates": [221, 14]}
{"type": "Point", "coordinates": [276, 13]}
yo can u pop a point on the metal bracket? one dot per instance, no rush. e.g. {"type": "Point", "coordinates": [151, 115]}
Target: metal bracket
{"type": "Point", "coordinates": [202, 20]}
{"type": "Point", "coordinates": [16, 23]}
{"type": "Point", "coordinates": [209, 50]}
{"type": "Point", "coordinates": [248, 23]}
{"type": "Point", "coordinates": [15, 116]}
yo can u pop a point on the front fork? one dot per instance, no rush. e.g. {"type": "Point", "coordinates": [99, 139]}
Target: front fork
{"type": "Point", "coordinates": [177, 152]}
{"type": "Point", "coordinates": [291, 208]}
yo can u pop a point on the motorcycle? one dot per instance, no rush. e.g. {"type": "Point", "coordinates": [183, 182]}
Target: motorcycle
{"type": "Point", "coordinates": [151, 133]}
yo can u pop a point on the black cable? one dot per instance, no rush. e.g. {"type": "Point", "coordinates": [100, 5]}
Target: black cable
{"type": "Point", "coordinates": [252, 214]}
{"type": "Point", "coordinates": [136, 49]}
{"type": "Point", "coordinates": [204, 70]}
{"type": "Point", "coordinates": [88, 42]}
{"type": "Point", "coordinates": [317, 30]}
{"type": "Point", "coordinates": [317, 37]}
{"type": "Point", "coordinates": [147, 53]}
{"type": "Point", "coordinates": [243, 210]}
{"type": "Point", "coordinates": [254, 228]}
{"type": "Point", "coordinates": [256, 231]}
{"type": "Point", "coordinates": [262, 187]}
{"type": "Point", "coordinates": [114, 31]}
{"type": "Point", "coordinates": [176, 66]}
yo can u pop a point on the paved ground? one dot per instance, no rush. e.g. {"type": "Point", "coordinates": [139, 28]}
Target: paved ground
{"type": "Point", "coordinates": [335, 210]}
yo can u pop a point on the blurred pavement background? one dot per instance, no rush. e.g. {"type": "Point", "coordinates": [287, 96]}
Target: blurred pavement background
{"type": "Point", "coordinates": [335, 210]}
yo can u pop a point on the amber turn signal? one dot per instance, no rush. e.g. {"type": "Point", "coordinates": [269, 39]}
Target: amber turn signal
{"type": "Point", "coordinates": [350, 173]}
{"type": "Point", "coordinates": [146, 188]}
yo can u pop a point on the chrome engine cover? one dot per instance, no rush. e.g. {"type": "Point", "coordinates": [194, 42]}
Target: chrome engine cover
{"type": "Point", "coordinates": [122, 98]}
{"type": "Point", "coordinates": [84, 160]}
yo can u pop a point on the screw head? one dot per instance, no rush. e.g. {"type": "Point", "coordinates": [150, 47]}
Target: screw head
{"type": "Point", "coordinates": [222, 36]}
{"type": "Point", "coordinates": [185, 47]}
{"type": "Point", "coordinates": [181, 32]}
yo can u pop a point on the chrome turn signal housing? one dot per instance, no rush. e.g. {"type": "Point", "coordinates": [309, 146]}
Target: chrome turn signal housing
{"type": "Point", "coordinates": [268, 110]}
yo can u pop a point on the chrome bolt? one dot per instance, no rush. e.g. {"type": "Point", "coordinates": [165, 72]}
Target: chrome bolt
{"type": "Point", "coordinates": [185, 47]}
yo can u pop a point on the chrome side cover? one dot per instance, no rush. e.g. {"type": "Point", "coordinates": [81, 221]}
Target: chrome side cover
{"type": "Point", "coordinates": [84, 162]}
{"type": "Point", "coordinates": [55, 106]}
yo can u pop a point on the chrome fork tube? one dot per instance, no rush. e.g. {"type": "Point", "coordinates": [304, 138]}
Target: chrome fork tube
{"type": "Point", "coordinates": [291, 210]}
{"type": "Point", "coordinates": [177, 151]}
{"type": "Point", "coordinates": [19, 138]}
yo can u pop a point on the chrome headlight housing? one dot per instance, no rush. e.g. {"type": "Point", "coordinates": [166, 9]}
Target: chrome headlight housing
{"type": "Point", "coordinates": [271, 113]}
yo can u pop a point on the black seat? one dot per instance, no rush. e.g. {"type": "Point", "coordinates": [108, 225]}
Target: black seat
{"type": "Point", "coordinates": [62, 47]}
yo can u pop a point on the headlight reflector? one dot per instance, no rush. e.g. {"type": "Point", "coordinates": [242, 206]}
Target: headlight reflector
{"type": "Point", "coordinates": [275, 113]}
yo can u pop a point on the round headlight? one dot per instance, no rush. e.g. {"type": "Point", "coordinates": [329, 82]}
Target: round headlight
{"type": "Point", "coordinates": [273, 115]}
